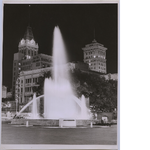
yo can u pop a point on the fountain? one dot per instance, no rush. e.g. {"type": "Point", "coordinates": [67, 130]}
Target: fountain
{"type": "Point", "coordinates": [34, 108]}
{"type": "Point", "coordinates": [59, 98]}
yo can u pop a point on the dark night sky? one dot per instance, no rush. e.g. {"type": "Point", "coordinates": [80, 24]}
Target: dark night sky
{"type": "Point", "coordinates": [76, 21]}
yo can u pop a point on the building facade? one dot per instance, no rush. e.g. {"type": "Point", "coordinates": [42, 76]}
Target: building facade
{"type": "Point", "coordinates": [95, 56]}
{"type": "Point", "coordinates": [28, 80]}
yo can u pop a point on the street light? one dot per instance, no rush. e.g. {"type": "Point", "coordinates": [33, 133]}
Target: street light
{"type": "Point", "coordinates": [17, 91]}
{"type": "Point", "coordinates": [16, 105]}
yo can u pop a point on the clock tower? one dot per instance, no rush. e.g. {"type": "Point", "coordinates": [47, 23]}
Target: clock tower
{"type": "Point", "coordinates": [27, 46]}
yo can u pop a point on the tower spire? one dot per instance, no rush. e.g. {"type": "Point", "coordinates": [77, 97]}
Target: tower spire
{"type": "Point", "coordinates": [94, 33]}
{"type": "Point", "coordinates": [29, 16]}
{"type": "Point", "coordinates": [28, 34]}
{"type": "Point", "coordinates": [94, 37]}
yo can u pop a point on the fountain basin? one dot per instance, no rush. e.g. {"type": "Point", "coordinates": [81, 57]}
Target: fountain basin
{"type": "Point", "coordinates": [67, 122]}
{"type": "Point", "coordinates": [48, 122]}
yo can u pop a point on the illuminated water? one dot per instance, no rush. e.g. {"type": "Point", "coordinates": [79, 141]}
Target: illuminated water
{"type": "Point", "coordinates": [34, 108]}
{"type": "Point", "coordinates": [60, 100]}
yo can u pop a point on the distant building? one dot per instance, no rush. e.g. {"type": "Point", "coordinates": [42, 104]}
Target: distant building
{"type": "Point", "coordinates": [9, 94]}
{"type": "Point", "coordinates": [27, 80]}
{"type": "Point", "coordinates": [4, 91]}
{"type": "Point", "coordinates": [95, 56]}
{"type": "Point", "coordinates": [113, 76]}
{"type": "Point", "coordinates": [78, 65]}
{"type": "Point", "coordinates": [28, 58]}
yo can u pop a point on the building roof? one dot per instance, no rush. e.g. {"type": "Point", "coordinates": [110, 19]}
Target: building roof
{"type": "Point", "coordinates": [28, 34]}
{"type": "Point", "coordinates": [44, 55]}
{"type": "Point", "coordinates": [94, 45]}
{"type": "Point", "coordinates": [28, 39]}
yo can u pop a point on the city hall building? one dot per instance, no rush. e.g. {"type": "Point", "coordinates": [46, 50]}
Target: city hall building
{"type": "Point", "coordinates": [28, 58]}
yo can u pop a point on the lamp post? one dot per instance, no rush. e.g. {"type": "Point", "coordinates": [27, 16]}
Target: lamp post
{"type": "Point", "coordinates": [17, 92]}
{"type": "Point", "coordinates": [16, 105]}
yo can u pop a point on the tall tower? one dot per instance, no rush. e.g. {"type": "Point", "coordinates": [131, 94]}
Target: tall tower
{"type": "Point", "coordinates": [27, 45]}
{"type": "Point", "coordinates": [95, 56]}
{"type": "Point", "coordinates": [27, 48]}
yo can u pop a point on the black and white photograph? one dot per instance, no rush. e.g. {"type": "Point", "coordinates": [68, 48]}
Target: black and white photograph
{"type": "Point", "coordinates": [60, 75]}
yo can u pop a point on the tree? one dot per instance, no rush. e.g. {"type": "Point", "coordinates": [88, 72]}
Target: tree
{"type": "Point", "coordinates": [102, 93]}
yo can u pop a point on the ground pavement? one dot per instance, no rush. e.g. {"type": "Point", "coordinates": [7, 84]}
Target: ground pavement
{"type": "Point", "coordinates": [14, 134]}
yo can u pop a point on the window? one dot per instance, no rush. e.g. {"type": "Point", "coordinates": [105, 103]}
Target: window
{"type": "Point", "coordinates": [28, 80]}
{"type": "Point", "coordinates": [35, 80]}
{"type": "Point", "coordinates": [28, 89]}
